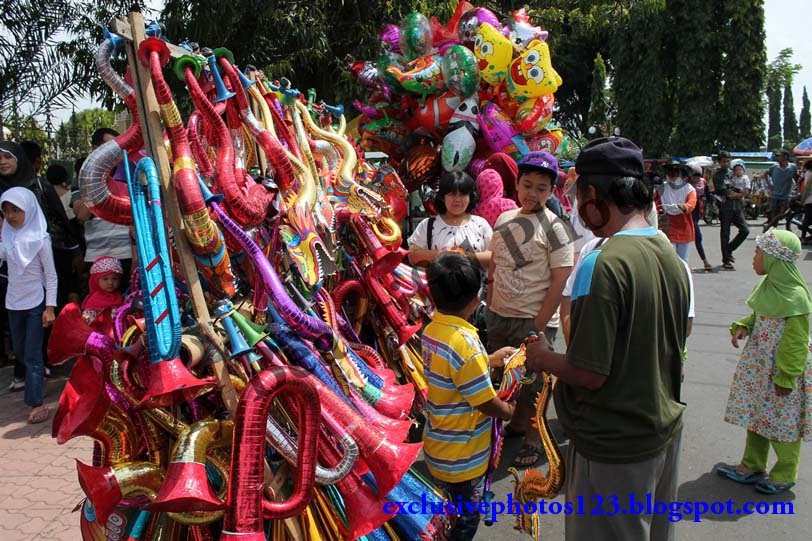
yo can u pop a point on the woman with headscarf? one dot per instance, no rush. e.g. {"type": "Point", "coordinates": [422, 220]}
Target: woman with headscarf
{"type": "Point", "coordinates": [31, 296]}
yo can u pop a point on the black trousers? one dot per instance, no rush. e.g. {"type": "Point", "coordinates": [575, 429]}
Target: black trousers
{"type": "Point", "coordinates": [727, 218]}
{"type": "Point", "coordinates": [806, 230]}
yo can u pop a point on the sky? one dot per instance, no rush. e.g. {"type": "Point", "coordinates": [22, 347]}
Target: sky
{"type": "Point", "coordinates": [787, 24]}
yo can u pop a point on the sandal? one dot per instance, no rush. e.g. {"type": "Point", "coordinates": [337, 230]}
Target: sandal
{"type": "Point", "coordinates": [734, 473]}
{"type": "Point", "coordinates": [528, 456]}
{"type": "Point", "coordinates": [765, 486]}
{"type": "Point", "coordinates": [510, 432]}
{"type": "Point", "coordinates": [39, 414]}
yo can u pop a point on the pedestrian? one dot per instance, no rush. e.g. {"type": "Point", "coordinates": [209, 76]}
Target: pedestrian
{"type": "Point", "coordinates": [492, 200]}
{"type": "Point", "coordinates": [781, 180]}
{"type": "Point", "coordinates": [701, 187]}
{"type": "Point", "coordinates": [618, 389]}
{"type": "Point", "coordinates": [806, 200]}
{"type": "Point", "coordinates": [103, 238]}
{"type": "Point", "coordinates": [771, 393]}
{"type": "Point", "coordinates": [731, 211]}
{"type": "Point", "coordinates": [31, 296]}
{"type": "Point", "coordinates": [676, 200]}
{"type": "Point", "coordinates": [461, 399]}
{"type": "Point", "coordinates": [532, 256]}
{"type": "Point", "coordinates": [106, 275]}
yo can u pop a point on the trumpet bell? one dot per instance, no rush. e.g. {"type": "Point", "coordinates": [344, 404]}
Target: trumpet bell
{"type": "Point", "coordinates": [186, 488]}
{"type": "Point", "coordinates": [171, 382]}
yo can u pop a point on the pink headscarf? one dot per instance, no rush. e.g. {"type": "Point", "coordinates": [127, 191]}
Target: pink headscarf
{"type": "Point", "coordinates": [492, 203]}
{"type": "Point", "coordinates": [98, 299]}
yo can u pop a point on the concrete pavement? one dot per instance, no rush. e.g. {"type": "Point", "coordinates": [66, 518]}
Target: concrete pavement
{"type": "Point", "coordinates": [39, 491]}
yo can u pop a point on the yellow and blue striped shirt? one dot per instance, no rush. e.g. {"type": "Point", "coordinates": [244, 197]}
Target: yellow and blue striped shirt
{"type": "Point", "coordinates": [457, 436]}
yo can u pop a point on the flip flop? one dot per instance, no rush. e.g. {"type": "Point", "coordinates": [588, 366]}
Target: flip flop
{"type": "Point", "coordinates": [530, 454]}
{"type": "Point", "coordinates": [765, 486]}
{"type": "Point", "coordinates": [729, 471]}
{"type": "Point", "coordinates": [39, 416]}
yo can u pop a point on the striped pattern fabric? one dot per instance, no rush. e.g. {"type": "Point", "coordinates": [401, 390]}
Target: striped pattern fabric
{"type": "Point", "coordinates": [457, 437]}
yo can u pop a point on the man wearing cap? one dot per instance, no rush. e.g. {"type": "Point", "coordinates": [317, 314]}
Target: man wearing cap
{"type": "Point", "coordinates": [618, 391]}
{"type": "Point", "coordinates": [781, 178]}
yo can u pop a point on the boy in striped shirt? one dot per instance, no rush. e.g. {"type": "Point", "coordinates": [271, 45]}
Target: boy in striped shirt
{"type": "Point", "coordinates": [461, 399]}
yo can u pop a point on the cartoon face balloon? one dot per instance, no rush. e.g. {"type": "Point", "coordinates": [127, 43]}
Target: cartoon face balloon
{"type": "Point", "coordinates": [460, 70]}
{"type": "Point", "coordinates": [466, 111]}
{"type": "Point", "coordinates": [415, 35]}
{"type": "Point", "coordinates": [493, 52]}
{"type": "Point", "coordinates": [521, 31]}
{"type": "Point", "coordinates": [470, 21]}
{"type": "Point", "coordinates": [532, 74]}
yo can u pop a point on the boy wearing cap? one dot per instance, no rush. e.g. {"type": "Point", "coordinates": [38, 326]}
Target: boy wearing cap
{"type": "Point", "coordinates": [618, 389]}
{"type": "Point", "coordinates": [532, 256]}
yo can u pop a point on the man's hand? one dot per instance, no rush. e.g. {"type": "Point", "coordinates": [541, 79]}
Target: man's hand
{"type": "Point", "coordinates": [48, 316]}
{"type": "Point", "coordinates": [739, 334]}
{"type": "Point", "coordinates": [536, 351]}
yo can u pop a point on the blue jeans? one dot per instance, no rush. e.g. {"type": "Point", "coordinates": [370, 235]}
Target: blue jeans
{"type": "Point", "coordinates": [682, 249]}
{"type": "Point", "coordinates": [27, 335]}
{"type": "Point", "coordinates": [467, 491]}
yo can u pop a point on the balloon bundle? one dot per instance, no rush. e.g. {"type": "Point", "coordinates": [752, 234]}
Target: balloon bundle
{"type": "Point", "coordinates": [297, 247]}
{"type": "Point", "coordinates": [457, 92]}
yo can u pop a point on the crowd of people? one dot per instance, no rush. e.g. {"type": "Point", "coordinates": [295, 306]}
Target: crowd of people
{"type": "Point", "coordinates": [597, 253]}
{"type": "Point", "coordinates": [607, 278]}
{"type": "Point", "coordinates": [53, 251]}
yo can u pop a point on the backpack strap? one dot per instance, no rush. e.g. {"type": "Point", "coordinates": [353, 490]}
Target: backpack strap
{"type": "Point", "coordinates": [430, 232]}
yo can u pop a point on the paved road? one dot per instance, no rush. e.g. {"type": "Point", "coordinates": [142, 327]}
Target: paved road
{"type": "Point", "coordinates": [39, 491]}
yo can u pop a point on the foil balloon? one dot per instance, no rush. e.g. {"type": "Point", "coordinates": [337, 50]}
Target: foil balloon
{"type": "Point", "coordinates": [534, 114]}
{"type": "Point", "coordinates": [415, 36]}
{"type": "Point", "coordinates": [422, 75]}
{"type": "Point", "coordinates": [532, 74]}
{"type": "Point", "coordinates": [433, 116]}
{"type": "Point", "coordinates": [500, 133]}
{"type": "Point", "coordinates": [420, 166]}
{"type": "Point", "coordinates": [449, 34]}
{"type": "Point", "coordinates": [547, 140]}
{"type": "Point", "coordinates": [460, 71]}
{"type": "Point", "coordinates": [390, 39]}
{"type": "Point", "coordinates": [459, 143]}
{"type": "Point", "coordinates": [493, 52]}
{"type": "Point", "coordinates": [521, 31]}
{"type": "Point", "coordinates": [387, 60]}
{"type": "Point", "coordinates": [470, 21]}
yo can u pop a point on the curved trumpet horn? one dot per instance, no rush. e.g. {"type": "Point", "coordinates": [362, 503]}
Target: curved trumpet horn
{"type": "Point", "coordinates": [243, 519]}
{"type": "Point", "coordinates": [222, 92]}
{"type": "Point", "coordinates": [391, 311]}
{"type": "Point", "coordinates": [186, 487]}
{"type": "Point", "coordinates": [106, 486]}
{"type": "Point", "coordinates": [384, 259]}
{"type": "Point", "coordinates": [85, 410]}
{"type": "Point", "coordinates": [72, 337]}
{"type": "Point", "coordinates": [168, 375]}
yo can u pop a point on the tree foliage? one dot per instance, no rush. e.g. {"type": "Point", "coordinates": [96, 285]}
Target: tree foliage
{"type": "Point", "coordinates": [743, 64]}
{"type": "Point", "coordinates": [598, 104]}
{"type": "Point", "coordinates": [805, 120]}
{"type": "Point", "coordinates": [46, 52]}
{"type": "Point", "coordinates": [774, 139]}
{"type": "Point", "coordinates": [73, 137]}
{"type": "Point", "coordinates": [791, 134]}
{"type": "Point", "coordinates": [641, 80]}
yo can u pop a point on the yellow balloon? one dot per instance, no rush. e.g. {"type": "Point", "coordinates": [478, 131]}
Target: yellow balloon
{"type": "Point", "coordinates": [493, 52]}
{"type": "Point", "coordinates": [532, 74]}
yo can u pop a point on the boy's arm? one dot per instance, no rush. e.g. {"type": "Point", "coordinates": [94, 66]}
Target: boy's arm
{"type": "Point", "coordinates": [496, 407]}
{"type": "Point", "coordinates": [552, 299]}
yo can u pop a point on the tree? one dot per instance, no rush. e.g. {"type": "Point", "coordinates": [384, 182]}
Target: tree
{"type": "Point", "coordinates": [740, 115]}
{"type": "Point", "coordinates": [791, 135]}
{"type": "Point", "coordinates": [779, 74]}
{"type": "Point", "coordinates": [46, 51]}
{"type": "Point", "coordinates": [697, 78]}
{"type": "Point", "coordinates": [73, 137]}
{"type": "Point", "coordinates": [806, 117]}
{"type": "Point", "coordinates": [640, 81]}
{"type": "Point", "coordinates": [598, 106]}
{"type": "Point", "coordinates": [774, 140]}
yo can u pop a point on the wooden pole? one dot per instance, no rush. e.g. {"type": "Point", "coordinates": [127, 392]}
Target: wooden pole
{"type": "Point", "coordinates": [149, 114]}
